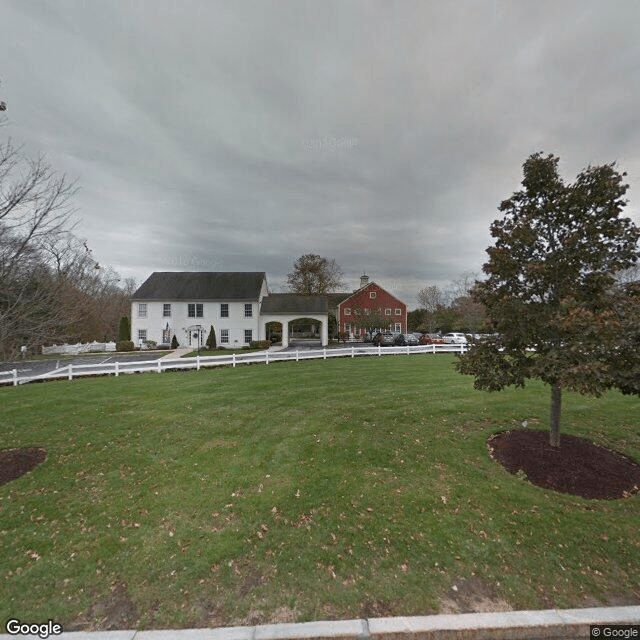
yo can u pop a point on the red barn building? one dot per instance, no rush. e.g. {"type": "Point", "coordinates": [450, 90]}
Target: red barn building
{"type": "Point", "coordinates": [371, 307]}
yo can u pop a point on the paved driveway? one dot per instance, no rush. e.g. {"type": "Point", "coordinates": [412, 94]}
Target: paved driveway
{"type": "Point", "coordinates": [33, 368]}
{"type": "Point", "coordinates": [307, 345]}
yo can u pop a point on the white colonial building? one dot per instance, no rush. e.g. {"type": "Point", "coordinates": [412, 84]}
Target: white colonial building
{"type": "Point", "coordinates": [237, 304]}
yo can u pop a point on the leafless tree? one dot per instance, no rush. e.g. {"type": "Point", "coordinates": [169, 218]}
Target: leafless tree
{"type": "Point", "coordinates": [34, 210]}
{"type": "Point", "coordinates": [34, 205]}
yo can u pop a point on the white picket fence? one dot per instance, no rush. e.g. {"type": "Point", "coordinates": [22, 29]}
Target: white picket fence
{"type": "Point", "coordinates": [117, 367]}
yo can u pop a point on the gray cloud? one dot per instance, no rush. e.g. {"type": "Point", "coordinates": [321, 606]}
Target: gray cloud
{"type": "Point", "coordinates": [240, 135]}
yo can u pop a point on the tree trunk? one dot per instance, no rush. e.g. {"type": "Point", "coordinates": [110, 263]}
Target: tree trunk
{"type": "Point", "coordinates": [556, 403]}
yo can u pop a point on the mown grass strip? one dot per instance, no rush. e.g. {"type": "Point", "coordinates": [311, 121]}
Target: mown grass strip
{"type": "Point", "coordinates": [318, 489]}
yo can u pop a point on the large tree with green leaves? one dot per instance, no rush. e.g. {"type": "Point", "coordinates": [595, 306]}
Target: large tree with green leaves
{"type": "Point", "coordinates": [313, 275]}
{"type": "Point", "coordinates": [550, 292]}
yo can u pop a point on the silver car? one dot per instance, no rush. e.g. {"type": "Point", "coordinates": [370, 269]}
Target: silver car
{"type": "Point", "coordinates": [454, 338]}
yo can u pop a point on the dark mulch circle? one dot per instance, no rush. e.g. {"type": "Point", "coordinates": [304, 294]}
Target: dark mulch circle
{"type": "Point", "coordinates": [578, 467]}
{"type": "Point", "coordinates": [16, 462]}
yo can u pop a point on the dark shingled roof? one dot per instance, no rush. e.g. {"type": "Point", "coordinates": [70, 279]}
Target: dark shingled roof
{"type": "Point", "coordinates": [207, 285]}
{"type": "Point", "coordinates": [335, 299]}
{"type": "Point", "coordinates": [293, 303]}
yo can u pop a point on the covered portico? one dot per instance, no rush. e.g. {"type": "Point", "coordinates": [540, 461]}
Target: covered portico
{"type": "Point", "coordinates": [285, 307]}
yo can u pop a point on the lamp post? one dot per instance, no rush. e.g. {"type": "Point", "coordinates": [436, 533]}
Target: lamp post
{"type": "Point", "coordinates": [198, 333]}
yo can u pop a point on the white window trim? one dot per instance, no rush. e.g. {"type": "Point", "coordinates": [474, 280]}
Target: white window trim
{"type": "Point", "coordinates": [195, 309]}
{"type": "Point", "coordinates": [373, 294]}
{"type": "Point", "coordinates": [398, 312]}
{"type": "Point", "coordinates": [224, 336]}
{"type": "Point", "coordinates": [164, 310]}
{"type": "Point", "coordinates": [387, 312]}
{"type": "Point", "coordinates": [347, 312]}
{"type": "Point", "coordinates": [142, 310]}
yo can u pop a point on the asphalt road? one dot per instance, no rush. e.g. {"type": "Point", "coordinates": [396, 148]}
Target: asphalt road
{"type": "Point", "coordinates": [32, 368]}
{"type": "Point", "coordinates": [302, 344]}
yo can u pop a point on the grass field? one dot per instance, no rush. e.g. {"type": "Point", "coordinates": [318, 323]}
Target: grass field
{"type": "Point", "coordinates": [297, 491]}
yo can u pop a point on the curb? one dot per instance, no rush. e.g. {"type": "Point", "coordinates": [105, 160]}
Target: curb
{"type": "Point", "coordinates": [551, 624]}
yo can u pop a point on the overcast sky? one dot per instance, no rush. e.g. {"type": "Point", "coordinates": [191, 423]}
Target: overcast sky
{"type": "Point", "coordinates": [239, 135]}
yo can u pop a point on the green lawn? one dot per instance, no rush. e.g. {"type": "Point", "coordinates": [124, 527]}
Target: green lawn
{"type": "Point", "coordinates": [299, 491]}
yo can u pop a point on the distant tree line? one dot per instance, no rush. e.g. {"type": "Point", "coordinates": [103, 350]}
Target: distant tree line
{"type": "Point", "coordinates": [450, 309]}
{"type": "Point", "coordinates": [51, 288]}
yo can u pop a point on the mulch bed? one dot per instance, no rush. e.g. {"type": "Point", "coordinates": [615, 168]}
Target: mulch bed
{"type": "Point", "coordinates": [16, 462]}
{"type": "Point", "coordinates": [578, 467]}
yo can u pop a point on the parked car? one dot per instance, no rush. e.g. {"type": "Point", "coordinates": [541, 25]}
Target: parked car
{"type": "Point", "coordinates": [384, 338]}
{"type": "Point", "coordinates": [432, 338]}
{"type": "Point", "coordinates": [454, 338]}
{"type": "Point", "coordinates": [406, 339]}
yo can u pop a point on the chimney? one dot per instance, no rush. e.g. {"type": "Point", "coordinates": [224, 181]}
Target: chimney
{"type": "Point", "coordinates": [364, 280]}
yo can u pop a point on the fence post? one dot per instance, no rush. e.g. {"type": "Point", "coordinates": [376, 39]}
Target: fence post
{"type": "Point", "coordinates": [116, 369]}
{"type": "Point", "coordinates": [296, 355]}
{"type": "Point", "coordinates": [266, 358]}
{"type": "Point", "coordinates": [379, 349]}
{"type": "Point", "coordinates": [353, 351]}
{"type": "Point", "coordinates": [15, 377]}
{"type": "Point", "coordinates": [159, 366]}
{"type": "Point", "coordinates": [234, 359]}
{"type": "Point", "coordinates": [324, 353]}
{"type": "Point", "coordinates": [70, 371]}
{"type": "Point", "coordinates": [197, 362]}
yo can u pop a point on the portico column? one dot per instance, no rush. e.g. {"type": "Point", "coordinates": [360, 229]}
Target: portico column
{"type": "Point", "coordinates": [325, 331]}
{"type": "Point", "coordinates": [285, 333]}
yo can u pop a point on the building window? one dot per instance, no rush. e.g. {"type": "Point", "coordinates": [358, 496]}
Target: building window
{"type": "Point", "coordinates": [398, 327]}
{"type": "Point", "coordinates": [387, 312]}
{"type": "Point", "coordinates": [224, 310]}
{"type": "Point", "coordinates": [195, 310]}
{"type": "Point", "coordinates": [398, 312]}
{"type": "Point", "coordinates": [142, 310]}
{"type": "Point", "coordinates": [166, 310]}
{"type": "Point", "coordinates": [248, 311]}
{"type": "Point", "coordinates": [248, 335]}
{"type": "Point", "coordinates": [142, 335]}
{"type": "Point", "coordinates": [373, 294]}
{"type": "Point", "coordinates": [347, 312]}
{"type": "Point", "coordinates": [224, 336]}
{"type": "Point", "coordinates": [347, 327]}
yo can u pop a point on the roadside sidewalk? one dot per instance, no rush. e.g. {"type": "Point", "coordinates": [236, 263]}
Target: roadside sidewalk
{"type": "Point", "coordinates": [552, 624]}
{"type": "Point", "coordinates": [177, 353]}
